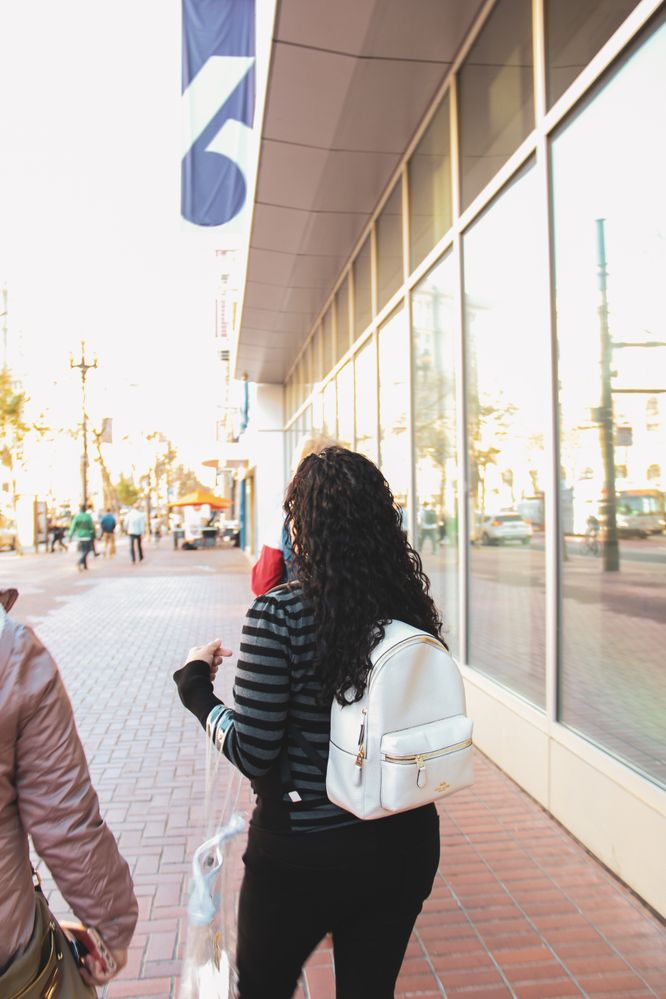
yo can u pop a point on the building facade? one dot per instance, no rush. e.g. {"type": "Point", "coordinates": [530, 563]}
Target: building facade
{"type": "Point", "coordinates": [495, 339]}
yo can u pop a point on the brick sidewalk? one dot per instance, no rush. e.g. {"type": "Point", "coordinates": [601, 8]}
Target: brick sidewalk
{"type": "Point", "coordinates": [518, 909]}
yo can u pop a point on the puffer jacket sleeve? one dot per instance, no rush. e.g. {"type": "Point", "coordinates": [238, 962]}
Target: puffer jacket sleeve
{"type": "Point", "coordinates": [58, 804]}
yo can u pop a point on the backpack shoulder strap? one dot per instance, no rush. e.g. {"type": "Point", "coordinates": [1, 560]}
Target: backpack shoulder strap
{"type": "Point", "coordinates": [315, 758]}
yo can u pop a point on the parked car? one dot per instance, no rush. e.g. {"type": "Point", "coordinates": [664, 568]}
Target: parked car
{"type": "Point", "coordinates": [501, 528]}
{"type": "Point", "coordinates": [7, 533]}
{"type": "Point", "coordinates": [640, 512]}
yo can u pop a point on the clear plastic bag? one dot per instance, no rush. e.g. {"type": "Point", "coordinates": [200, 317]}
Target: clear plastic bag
{"type": "Point", "coordinates": [208, 965]}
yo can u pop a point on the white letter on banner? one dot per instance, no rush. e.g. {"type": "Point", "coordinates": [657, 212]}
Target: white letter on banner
{"type": "Point", "coordinates": [207, 93]}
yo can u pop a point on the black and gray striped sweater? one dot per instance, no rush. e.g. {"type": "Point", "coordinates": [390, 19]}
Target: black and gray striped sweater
{"type": "Point", "coordinates": [275, 698]}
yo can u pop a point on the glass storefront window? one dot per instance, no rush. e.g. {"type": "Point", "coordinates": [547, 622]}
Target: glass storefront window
{"type": "Point", "coordinates": [298, 383]}
{"type": "Point", "coordinates": [342, 319]}
{"type": "Point", "coordinates": [329, 424]}
{"type": "Point", "coordinates": [393, 350]}
{"type": "Point", "coordinates": [575, 32]}
{"type": "Point", "coordinates": [328, 358]}
{"type": "Point", "coordinates": [317, 412]}
{"type": "Point", "coordinates": [609, 219]}
{"type": "Point", "coordinates": [362, 289]}
{"type": "Point", "coordinates": [288, 408]}
{"type": "Point", "coordinates": [345, 380]}
{"type": "Point", "coordinates": [389, 247]}
{"type": "Point", "coordinates": [307, 368]}
{"type": "Point", "coordinates": [317, 373]}
{"type": "Point", "coordinates": [506, 361]}
{"type": "Point", "coordinates": [294, 402]}
{"type": "Point", "coordinates": [496, 95]}
{"type": "Point", "coordinates": [366, 399]}
{"type": "Point", "coordinates": [430, 186]}
{"type": "Point", "coordinates": [290, 448]}
{"type": "Point", "coordinates": [435, 332]}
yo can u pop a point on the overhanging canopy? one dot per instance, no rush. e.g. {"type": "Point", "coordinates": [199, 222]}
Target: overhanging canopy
{"type": "Point", "coordinates": [201, 497]}
{"type": "Point", "coordinates": [349, 84]}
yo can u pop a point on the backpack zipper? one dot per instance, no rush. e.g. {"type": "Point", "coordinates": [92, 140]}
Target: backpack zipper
{"type": "Point", "coordinates": [360, 756]}
{"type": "Point", "coordinates": [426, 639]}
{"type": "Point", "coordinates": [361, 753]}
{"type": "Point", "coordinates": [420, 759]}
{"type": "Point", "coordinates": [414, 757]}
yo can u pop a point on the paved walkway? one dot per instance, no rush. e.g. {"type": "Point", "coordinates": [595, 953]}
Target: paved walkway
{"type": "Point", "coordinates": [519, 908]}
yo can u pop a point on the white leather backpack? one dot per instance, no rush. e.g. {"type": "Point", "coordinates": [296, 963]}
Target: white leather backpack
{"type": "Point", "coordinates": [407, 741]}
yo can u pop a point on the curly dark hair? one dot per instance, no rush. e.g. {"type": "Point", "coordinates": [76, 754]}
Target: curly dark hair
{"type": "Point", "coordinates": [355, 565]}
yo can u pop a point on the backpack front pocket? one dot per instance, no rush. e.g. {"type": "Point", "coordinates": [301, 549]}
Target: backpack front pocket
{"type": "Point", "coordinates": [421, 764]}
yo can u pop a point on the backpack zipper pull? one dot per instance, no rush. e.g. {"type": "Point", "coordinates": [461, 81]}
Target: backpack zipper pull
{"type": "Point", "coordinates": [421, 776]}
{"type": "Point", "coordinates": [360, 756]}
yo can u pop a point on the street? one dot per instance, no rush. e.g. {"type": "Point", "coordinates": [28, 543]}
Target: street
{"type": "Point", "coordinates": [518, 909]}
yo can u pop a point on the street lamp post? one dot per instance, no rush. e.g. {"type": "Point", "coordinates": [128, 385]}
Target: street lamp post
{"type": "Point", "coordinates": [84, 367]}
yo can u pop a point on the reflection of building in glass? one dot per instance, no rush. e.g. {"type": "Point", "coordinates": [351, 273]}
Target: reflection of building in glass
{"type": "Point", "coordinates": [431, 294]}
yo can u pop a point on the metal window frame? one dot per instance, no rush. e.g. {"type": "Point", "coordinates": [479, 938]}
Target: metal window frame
{"type": "Point", "coordinates": [536, 145]}
{"type": "Point", "coordinates": [546, 122]}
{"type": "Point", "coordinates": [551, 428]}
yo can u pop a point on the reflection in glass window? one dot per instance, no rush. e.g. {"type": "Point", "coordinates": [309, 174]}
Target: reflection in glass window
{"type": "Point", "coordinates": [291, 436]}
{"type": "Point", "coordinates": [435, 427]}
{"type": "Point", "coordinates": [609, 164]}
{"type": "Point", "coordinates": [288, 405]}
{"type": "Point", "coordinates": [366, 400]}
{"type": "Point", "coordinates": [328, 359]}
{"type": "Point", "coordinates": [430, 186]}
{"type": "Point", "coordinates": [298, 383]}
{"type": "Point", "coordinates": [393, 346]}
{"type": "Point", "coordinates": [496, 95]}
{"type": "Point", "coordinates": [575, 32]}
{"type": "Point", "coordinates": [506, 386]}
{"type": "Point", "coordinates": [362, 290]}
{"type": "Point", "coordinates": [342, 319]}
{"type": "Point", "coordinates": [329, 410]}
{"type": "Point", "coordinates": [307, 368]}
{"type": "Point", "coordinates": [389, 247]}
{"type": "Point", "coordinates": [345, 381]}
{"type": "Point", "coordinates": [317, 373]}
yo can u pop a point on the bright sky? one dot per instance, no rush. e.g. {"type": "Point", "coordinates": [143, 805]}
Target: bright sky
{"type": "Point", "coordinates": [91, 241]}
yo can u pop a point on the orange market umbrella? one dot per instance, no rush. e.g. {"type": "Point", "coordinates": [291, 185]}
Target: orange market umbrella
{"type": "Point", "coordinates": [201, 497]}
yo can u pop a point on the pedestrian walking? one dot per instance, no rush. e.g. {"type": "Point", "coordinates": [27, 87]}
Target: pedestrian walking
{"type": "Point", "coordinates": [135, 526]}
{"type": "Point", "coordinates": [93, 546]}
{"type": "Point", "coordinates": [156, 530]}
{"type": "Point", "coordinates": [46, 793]}
{"type": "Point", "coordinates": [428, 527]}
{"type": "Point", "coordinates": [108, 527]}
{"type": "Point", "coordinates": [310, 866]}
{"type": "Point", "coordinates": [57, 532]}
{"type": "Point", "coordinates": [83, 527]}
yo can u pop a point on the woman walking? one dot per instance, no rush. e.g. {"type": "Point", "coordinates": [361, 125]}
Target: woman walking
{"type": "Point", "coordinates": [46, 792]}
{"type": "Point", "coordinates": [311, 867]}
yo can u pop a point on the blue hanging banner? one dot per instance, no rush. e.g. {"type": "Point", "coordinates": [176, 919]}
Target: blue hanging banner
{"type": "Point", "coordinates": [219, 82]}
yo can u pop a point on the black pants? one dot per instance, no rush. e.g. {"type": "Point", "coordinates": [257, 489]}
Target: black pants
{"type": "Point", "coordinates": [366, 883]}
{"type": "Point", "coordinates": [136, 539]}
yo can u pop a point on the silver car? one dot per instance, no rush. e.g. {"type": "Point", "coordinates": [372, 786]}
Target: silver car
{"type": "Point", "coordinates": [501, 528]}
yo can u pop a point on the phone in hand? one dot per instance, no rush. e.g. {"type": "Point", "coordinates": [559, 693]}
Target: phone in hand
{"type": "Point", "coordinates": [88, 941]}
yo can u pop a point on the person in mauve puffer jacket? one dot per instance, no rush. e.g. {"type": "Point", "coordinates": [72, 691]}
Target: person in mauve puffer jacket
{"type": "Point", "coordinates": [46, 792]}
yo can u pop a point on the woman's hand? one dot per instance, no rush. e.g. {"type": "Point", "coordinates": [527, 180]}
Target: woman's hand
{"type": "Point", "coordinates": [195, 679]}
{"type": "Point", "coordinates": [213, 653]}
{"type": "Point", "coordinates": [94, 973]}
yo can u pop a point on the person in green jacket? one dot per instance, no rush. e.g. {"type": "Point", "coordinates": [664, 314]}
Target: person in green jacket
{"type": "Point", "coordinates": [83, 527]}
